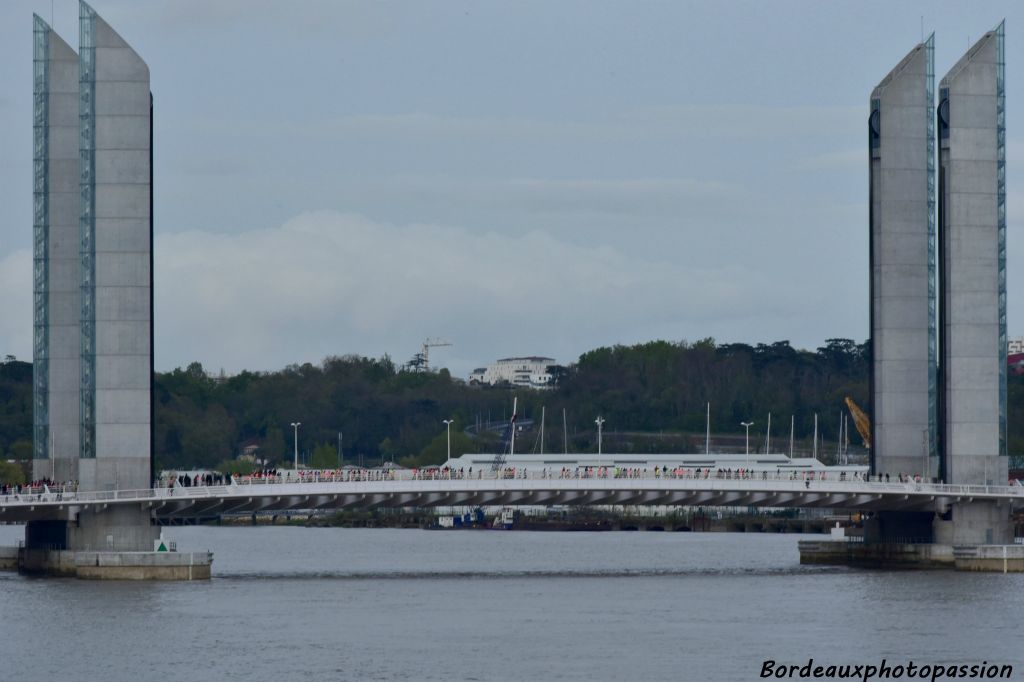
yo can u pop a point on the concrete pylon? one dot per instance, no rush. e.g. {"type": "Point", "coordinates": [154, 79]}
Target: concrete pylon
{"type": "Point", "coordinates": [972, 228]}
{"type": "Point", "coordinates": [93, 281]}
{"type": "Point", "coordinates": [903, 260]}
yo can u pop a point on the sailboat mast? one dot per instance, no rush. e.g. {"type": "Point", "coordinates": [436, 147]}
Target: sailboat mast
{"type": "Point", "coordinates": [512, 440]}
{"type": "Point", "coordinates": [792, 428]}
{"type": "Point", "coordinates": [542, 409]}
{"type": "Point", "coordinates": [814, 445]}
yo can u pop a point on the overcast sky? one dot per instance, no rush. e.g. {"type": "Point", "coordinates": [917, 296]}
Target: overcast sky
{"type": "Point", "coordinates": [518, 178]}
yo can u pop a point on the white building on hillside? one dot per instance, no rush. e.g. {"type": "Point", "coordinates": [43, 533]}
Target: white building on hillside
{"type": "Point", "coordinates": [529, 372]}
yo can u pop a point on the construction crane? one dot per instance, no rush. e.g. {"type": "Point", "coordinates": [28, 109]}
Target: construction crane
{"type": "Point", "coordinates": [861, 421]}
{"type": "Point", "coordinates": [421, 361]}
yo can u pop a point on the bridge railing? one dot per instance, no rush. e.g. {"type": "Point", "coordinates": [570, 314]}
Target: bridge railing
{"type": "Point", "coordinates": [328, 476]}
{"type": "Point", "coordinates": [878, 483]}
{"type": "Point", "coordinates": [100, 496]}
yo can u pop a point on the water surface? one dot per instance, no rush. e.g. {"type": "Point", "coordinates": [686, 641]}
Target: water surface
{"type": "Point", "coordinates": [355, 604]}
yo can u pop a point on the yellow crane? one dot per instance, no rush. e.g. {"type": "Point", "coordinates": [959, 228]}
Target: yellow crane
{"type": "Point", "coordinates": [861, 421]}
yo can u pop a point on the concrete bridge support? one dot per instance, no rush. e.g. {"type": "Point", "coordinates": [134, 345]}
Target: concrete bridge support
{"type": "Point", "coordinates": [976, 523]}
{"type": "Point", "coordinates": [971, 536]}
{"type": "Point", "coordinates": [113, 530]}
{"type": "Point", "coordinates": [93, 286]}
{"type": "Point", "coordinates": [107, 544]}
{"type": "Point", "coordinates": [966, 523]}
{"type": "Point", "coordinates": [945, 418]}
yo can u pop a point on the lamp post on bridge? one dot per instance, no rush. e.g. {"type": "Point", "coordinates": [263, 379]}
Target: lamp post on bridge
{"type": "Point", "coordinates": [746, 447]}
{"type": "Point", "coordinates": [296, 425]}
{"type": "Point", "coordinates": [600, 422]}
{"type": "Point", "coordinates": [448, 428]}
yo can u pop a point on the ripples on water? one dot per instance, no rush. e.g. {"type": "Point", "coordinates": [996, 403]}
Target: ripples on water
{"type": "Point", "coordinates": [479, 575]}
{"type": "Point", "coordinates": [338, 604]}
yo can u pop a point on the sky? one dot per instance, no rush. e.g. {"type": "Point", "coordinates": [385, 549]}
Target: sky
{"type": "Point", "coordinates": [530, 178]}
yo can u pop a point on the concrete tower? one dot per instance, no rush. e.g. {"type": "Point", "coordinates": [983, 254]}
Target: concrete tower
{"type": "Point", "coordinates": [972, 228]}
{"type": "Point", "coordinates": [972, 236]}
{"type": "Point", "coordinates": [115, 118]}
{"type": "Point", "coordinates": [56, 273]}
{"type": "Point", "coordinates": [903, 260]}
{"type": "Point", "coordinates": [93, 281]}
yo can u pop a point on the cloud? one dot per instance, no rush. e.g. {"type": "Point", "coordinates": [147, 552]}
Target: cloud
{"type": "Point", "coordinates": [629, 197]}
{"type": "Point", "coordinates": [522, 198]}
{"type": "Point", "coordinates": [328, 283]}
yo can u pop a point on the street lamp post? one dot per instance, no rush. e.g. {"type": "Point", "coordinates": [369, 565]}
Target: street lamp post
{"type": "Point", "coordinates": [600, 422]}
{"type": "Point", "coordinates": [296, 425]}
{"type": "Point", "coordinates": [746, 447]}
{"type": "Point", "coordinates": [448, 428]}
{"type": "Point", "coordinates": [340, 458]}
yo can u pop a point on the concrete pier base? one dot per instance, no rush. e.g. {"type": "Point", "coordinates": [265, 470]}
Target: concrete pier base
{"type": "Point", "coordinates": [104, 544]}
{"type": "Point", "coordinates": [968, 536]}
{"type": "Point", "coordinates": [109, 565]}
{"type": "Point", "coordinates": [890, 555]}
{"type": "Point", "coordinates": [992, 558]}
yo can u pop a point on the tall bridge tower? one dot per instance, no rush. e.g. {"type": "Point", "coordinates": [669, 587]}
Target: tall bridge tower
{"type": "Point", "coordinates": [938, 285]}
{"type": "Point", "coordinates": [93, 279]}
{"type": "Point", "coordinates": [972, 231]}
{"type": "Point", "coordinates": [902, 258]}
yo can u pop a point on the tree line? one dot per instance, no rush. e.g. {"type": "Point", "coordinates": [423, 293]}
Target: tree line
{"type": "Point", "coordinates": [386, 413]}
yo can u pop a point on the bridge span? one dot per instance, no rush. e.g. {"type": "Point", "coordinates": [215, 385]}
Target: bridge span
{"type": "Point", "coordinates": [407, 489]}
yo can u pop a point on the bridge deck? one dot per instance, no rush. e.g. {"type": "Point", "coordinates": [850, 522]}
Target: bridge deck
{"type": "Point", "coordinates": [403, 489]}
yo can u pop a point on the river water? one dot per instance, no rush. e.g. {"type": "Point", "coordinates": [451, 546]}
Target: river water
{"type": "Point", "coordinates": [290, 603]}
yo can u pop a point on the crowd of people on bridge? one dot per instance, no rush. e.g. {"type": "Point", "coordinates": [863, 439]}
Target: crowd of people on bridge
{"type": "Point", "coordinates": [40, 485]}
{"type": "Point", "coordinates": [173, 480]}
{"type": "Point", "coordinates": [273, 475]}
{"type": "Point", "coordinates": [170, 481]}
{"type": "Point", "coordinates": [198, 479]}
{"type": "Point", "coordinates": [314, 476]}
{"type": "Point", "coordinates": [584, 472]}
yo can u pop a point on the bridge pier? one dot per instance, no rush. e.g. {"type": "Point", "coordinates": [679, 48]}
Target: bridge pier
{"type": "Point", "coordinates": [116, 543]}
{"type": "Point", "coordinates": [971, 536]}
{"type": "Point", "coordinates": [120, 529]}
{"type": "Point", "coordinates": [977, 523]}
